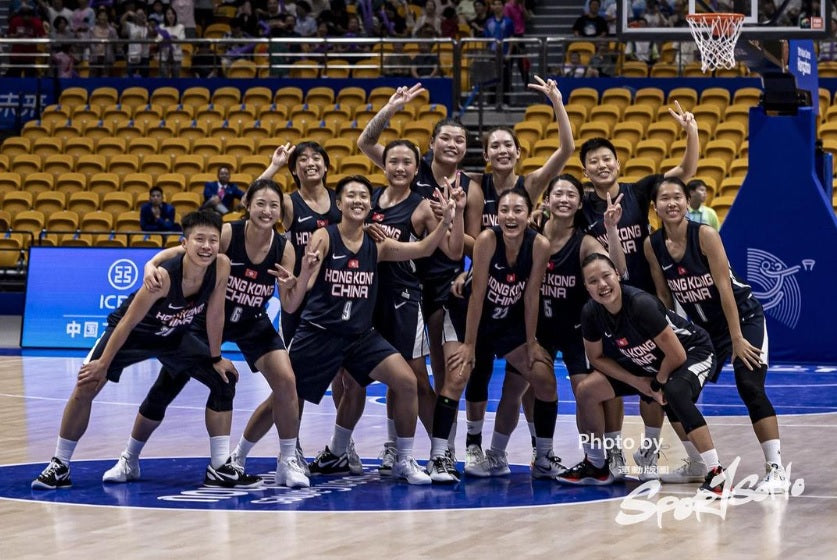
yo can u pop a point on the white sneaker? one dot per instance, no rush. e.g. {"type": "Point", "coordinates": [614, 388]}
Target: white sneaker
{"type": "Point", "coordinates": [355, 465]}
{"type": "Point", "coordinates": [388, 459]}
{"type": "Point", "coordinates": [547, 466]}
{"type": "Point", "coordinates": [646, 460]}
{"type": "Point", "coordinates": [301, 461]}
{"type": "Point", "coordinates": [690, 471]}
{"type": "Point", "coordinates": [123, 471]}
{"type": "Point", "coordinates": [496, 463]}
{"type": "Point", "coordinates": [616, 464]}
{"type": "Point", "coordinates": [409, 470]}
{"type": "Point", "coordinates": [289, 473]}
{"type": "Point", "coordinates": [238, 460]}
{"type": "Point", "coordinates": [775, 480]}
{"type": "Point", "coordinates": [440, 470]}
{"type": "Point", "coordinates": [474, 458]}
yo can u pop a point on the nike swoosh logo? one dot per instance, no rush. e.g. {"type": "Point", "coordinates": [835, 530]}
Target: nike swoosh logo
{"type": "Point", "coordinates": [176, 306]}
{"type": "Point", "coordinates": [607, 334]}
{"type": "Point", "coordinates": [236, 264]}
{"type": "Point", "coordinates": [667, 267]}
{"type": "Point", "coordinates": [498, 267]}
{"type": "Point", "coordinates": [301, 219]}
{"type": "Point", "coordinates": [338, 257]}
{"type": "Point", "coordinates": [578, 326]}
{"type": "Point", "coordinates": [420, 184]}
{"type": "Point", "coordinates": [489, 202]}
{"type": "Point", "coordinates": [398, 305]}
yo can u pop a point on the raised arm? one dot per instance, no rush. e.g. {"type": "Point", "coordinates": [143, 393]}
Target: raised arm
{"type": "Point", "coordinates": [277, 161]}
{"type": "Point", "coordinates": [688, 166]}
{"type": "Point", "coordinates": [367, 142]}
{"type": "Point", "coordinates": [537, 181]}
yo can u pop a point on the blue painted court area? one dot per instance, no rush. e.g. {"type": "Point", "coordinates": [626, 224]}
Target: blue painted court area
{"type": "Point", "coordinates": [174, 483]}
{"type": "Point", "coordinates": [793, 389]}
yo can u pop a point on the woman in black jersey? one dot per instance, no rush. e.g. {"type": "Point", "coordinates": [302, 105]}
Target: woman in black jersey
{"type": "Point", "coordinates": [340, 269]}
{"type": "Point", "coordinates": [508, 266]}
{"type": "Point", "coordinates": [637, 346]}
{"type": "Point", "coordinates": [688, 262]}
{"type": "Point", "coordinates": [257, 256]}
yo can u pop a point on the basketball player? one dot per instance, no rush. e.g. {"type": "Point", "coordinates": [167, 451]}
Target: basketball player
{"type": "Point", "coordinates": [340, 270]}
{"type": "Point", "coordinates": [152, 325]}
{"type": "Point", "coordinates": [256, 254]}
{"type": "Point", "coordinates": [508, 267]}
{"type": "Point", "coordinates": [601, 167]}
{"type": "Point", "coordinates": [637, 346]}
{"type": "Point", "coordinates": [689, 264]}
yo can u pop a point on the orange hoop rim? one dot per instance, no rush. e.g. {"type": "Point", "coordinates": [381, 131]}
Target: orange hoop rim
{"type": "Point", "coordinates": [715, 15]}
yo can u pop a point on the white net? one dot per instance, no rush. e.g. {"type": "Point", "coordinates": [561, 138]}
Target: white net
{"type": "Point", "coordinates": [716, 35]}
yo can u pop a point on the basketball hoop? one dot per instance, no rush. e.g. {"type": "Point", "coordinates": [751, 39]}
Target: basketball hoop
{"type": "Point", "coordinates": [716, 35]}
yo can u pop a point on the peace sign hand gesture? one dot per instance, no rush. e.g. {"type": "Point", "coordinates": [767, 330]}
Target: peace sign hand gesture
{"type": "Point", "coordinates": [549, 88]}
{"type": "Point", "coordinates": [404, 95]}
{"type": "Point", "coordinates": [281, 155]}
{"type": "Point", "coordinates": [312, 257]}
{"type": "Point", "coordinates": [286, 280]}
{"type": "Point", "coordinates": [685, 118]}
{"type": "Point", "coordinates": [613, 213]}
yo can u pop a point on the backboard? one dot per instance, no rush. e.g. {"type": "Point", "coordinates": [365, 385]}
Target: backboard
{"type": "Point", "coordinates": [764, 19]}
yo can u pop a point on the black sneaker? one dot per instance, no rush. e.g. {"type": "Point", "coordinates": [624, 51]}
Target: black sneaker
{"type": "Point", "coordinates": [586, 474]}
{"type": "Point", "coordinates": [230, 475]}
{"type": "Point", "coordinates": [329, 463]}
{"type": "Point", "coordinates": [55, 475]}
{"type": "Point", "coordinates": [450, 464]}
{"type": "Point", "coordinates": [713, 484]}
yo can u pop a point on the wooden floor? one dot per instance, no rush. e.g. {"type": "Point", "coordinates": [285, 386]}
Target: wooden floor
{"type": "Point", "coordinates": [32, 394]}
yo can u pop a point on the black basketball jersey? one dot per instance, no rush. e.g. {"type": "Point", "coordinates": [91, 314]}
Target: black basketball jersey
{"type": "Point", "coordinates": [563, 294]}
{"type": "Point", "coordinates": [343, 296]}
{"type": "Point", "coordinates": [633, 228]}
{"type": "Point", "coordinates": [490, 196]}
{"type": "Point", "coordinates": [629, 336]}
{"type": "Point", "coordinates": [306, 222]}
{"type": "Point", "coordinates": [172, 314]}
{"type": "Point", "coordinates": [250, 286]}
{"type": "Point", "coordinates": [438, 265]}
{"type": "Point", "coordinates": [691, 283]}
{"type": "Point", "coordinates": [397, 223]}
{"type": "Point", "coordinates": [503, 303]}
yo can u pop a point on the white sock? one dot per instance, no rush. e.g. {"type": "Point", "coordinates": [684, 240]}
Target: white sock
{"type": "Point", "coordinates": [475, 426]}
{"type": "Point", "coordinates": [452, 438]}
{"type": "Point", "coordinates": [595, 455]}
{"type": "Point", "coordinates": [692, 451]}
{"type": "Point", "coordinates": [287, 448]}
{"type": "Point", "coordinates": [404, 447]}
{"type": "Point", "coordinates": [64, 449]}
{"type": "Point", "coordinates": [133, 449]}
{"type": "Point", "coordinates": [651, 438]}
{"type": "Point", "coordinates": [340, 440]}
{"type": "Point", "coordinates": [772, 451]}
{"type": "Point", "coordinates": [392, 435]}
{"type": "Point", "coordinates": [219, 450]}
{"type": "Point", "coordinates": [710, 459]}
{"type": "Point", "coordinates": [543, 446]}
{"type": "Point", "coordinates": [242, 449]}
{"type": "Point", "coordinates": [614, 439]}
{"type": "Point", "coordinates": [531, 429]}
{"type": "Point", "coordinates": [438, 446]}
{"type": "Point", "coordinates": [499, 442]}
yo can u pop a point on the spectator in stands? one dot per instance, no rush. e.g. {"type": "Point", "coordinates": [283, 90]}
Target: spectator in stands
{"type": "Point", "coordinates": [204, 62]}
{"type": "Point", "coordinates": [63, 60]}
{"type": "Point", "coordinates": [397, 63]}
{"type": "Point", "coordinates": [158, 13]}
{"type": "Point", "coordinates": [393, 24]}
{"type": "Point", "coordinates": [575, 68]}
{"type": "Point", "coordinates": [426, 63]}
{"type": "Point", "coordinates": [185, 10]}
{"type": "Point", "coordinates": [83, 18]}
{"type": "Point", "coordinates": [156, 215]}
{"type": "Point", "coordinates": [171, 54]}
{"type": "Point", "coordinates": [477, 23]}
{"type": "Point", "coordinates": [697, 212]}
{"type": "Point", "coordinates": [354, 30]}
{"type": "Point", "coordinates": [221, 195]}
{"type": "Point", "coordinates": [318, 7]}
{"type": "Point", "coordinates": [654, 15]}
{"type": "Point", "coordinates": [604, 61]}
{"type": "Point", "coordinates": [306, 25]}
{"type": "Point", "coordinates": [273, 16]}
{"type": "Point", "coordinates": [135, 28]}
{"type": "Point", "coordinates": [52, 10]}
{"type": "Point", "coordinates": [431, 17]}
{"type": "Point", "coordinates": [515, 10]}
{"type": "Point", "coordinates": [828, 47]}
{"type": "Point", "coordinates": [236, 51]}
{"type": "Point", "coordinates": [24, 25]}
{"type": "Point", "coordinates": [102, 54]}
{"type": "Point", "coordinates": [204, 12]}
{"type": "Point", "coordinates": [450, 23]}
{"type": "Point", "coordinates": [499, 27]}
{"type": "Point", "coordinates": [466, 11]}
{"type": "Point", "coordinates": [249, 20]}
{"type": "Point", "coordinates": [60, 31]}
{"type": "Point", "coordinates": [643, 51]}
{"type": "Point", "coordinates": [590, 23]}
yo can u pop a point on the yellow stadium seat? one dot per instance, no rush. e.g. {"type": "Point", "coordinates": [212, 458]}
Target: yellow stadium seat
{"type": "Point", "coordinates": [96, 222]}
{"type": "Point", "coordinates": [257, 96]}
{"type": "Point", "coordinates": [47, 146]}
{"type": "Point", "coordinates": [9, 182]}
{"type": "Point", "coordinates": [214, 163]}
{"type": "Point", "coordinates": [226, 97]}
{"type": "Point", "coordinates": [117, 202]}
{"type": "Point", "coordinates": [24, 164]}
{"type": "Point", "coordinates": [30, 221]}
{"type": "Point", "coordinates": [158, 164]}
{"type": "Point", "coordinates": [667, 131]}
{"type": "Point", "coordinates": [207, 147]}
{"type": "Point", "coordinates": [730, 186]}
{"type": "Point", "coordinates": [618, 96]}
{"type": "Point", "coordinates": [82, 202]}
{"type": "Point", "coordinates": [175, 147]}
{"type": "Point", "coordinates": [738, 167]}
{"type": "Point", "coordinates": [351, 97]}
{"type": "Point", "coordinates": [608, 114]}
{"type": "Point", "coordinates": [165, 96]}
{"type": "Point", "coordinates": [540, 113]}
{"type": "Point", "coordinates": [73, 97]}
{"type": "Point", "coordinates": [58, 164]}
{"type": "Point", "coordinates": [585, 50]}
{"type": "Point", "coordinates": [588, 97]}
{"type": "Point", "coordinates": [77, 240]}
{"type": "Point", "coordinates": [531, 164]}
{"type": "Point", "coordinates": [102, 183]}
{"type": "Point", "coordinates": [717, 96]}
{"type": "Point", "coordinates": [151, 241]}
{"type": "Point", "coordinates": [734, 131]}
{"type": "Point", "coordinates": [654, 149]}
{"type": "Point", "coordinates": [149, 114]}
{"type": "Point", "coordinates": [38, 182]}
{"type": "Point", "coordinates": [529, 131]}
{"type": "Point", "coordinates": [171, 183]}
{"type": "Point", "coordinates": [76, 147]}
{"type": "Point", "coordinates": [641, 166]}
{"type": "Point", "coordinates": [194, 131]}
{"type": "Point", "coordinates": [127, 221]}
{"type": "Point", "coordinates": [123, 164]}
{"type": "Point", "coordinates": [355, 165]}
{"type": "Point", "coordinates": [109, 147]}
{"type": "Point", "coordinates": [634, 69]}
{"type": "Point", "coordinates": [746, 96]}
{"type": "Point", "coordinates": [664, 70]}
{"type": "Point", "coordinates": [63, 221]}
{"type": "Point", "coordinates": [651, 96]}
{"type": "Point", "coordinates": [134, 97]}
{"type": "Point", "coordinates": [544, 148]}
{"type": "Point", "coordinates": [707, 116]}
{"type": "Point", "coordinates": [185, 202]}
{"type": "Point", "coordinates": [715, 168]}
{"type": "Point", "coordinates": [103, 97]}
{"type": "Point", "coordinates": [143, 146]}
{"type": "Point", "coordinates": [18, 201]}
{"type": "Point", "coordinates": [195, 97]}
{"type": "Point", "coordinates": [593, 130]}
{"type": "Point", "coordinates": [723, 149]}
{"type": "Point", "coordinates": [15, 146]}
{"type": "Point", "coordinates": [137, 185]}
{"type": "Point", "coordinates": [49, 202]}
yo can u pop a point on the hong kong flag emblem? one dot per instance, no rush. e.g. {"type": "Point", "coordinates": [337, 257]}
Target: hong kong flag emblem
{"type": "Point", "coordinates": [621, 342]}
{"type": "Point", "coordinates": [510, 278]}
{"type": "Point", "coordinates": [682, 271]}
{"type": "Point", "coordinates": [251, 273]}
{"type": "Point", "coordinates": [353, 263]}
{"type": "Point", "coordinates": [322, 223]}
{"type": "Point", "coordinates": [377, 217]}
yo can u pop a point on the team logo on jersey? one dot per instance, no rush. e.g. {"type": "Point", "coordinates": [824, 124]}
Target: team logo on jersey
{"type": "Point", "coordinates": [322, 223]}
{"type": "Point", "coordinates": [622, 342]}
{"type": "Point", "coordinates": [682, 271]}
{"type": "Point", "coordinates": [377, 217]}
{"type": "Point", "coordinates": [250, 273]}
{"type": "Point", "coordinates": [510, 278]}
{"type": "Point", "coordinates": [550, 265]}
{"type": "Point", "coordinates": [774, 284]}
{"type": "Point", "coordinates": [353, 263]}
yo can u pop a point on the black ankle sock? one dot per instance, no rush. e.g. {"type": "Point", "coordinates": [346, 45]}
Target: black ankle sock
{"type": "Point", "coordinates": [546, 413]}
{"type": "Point", "coordinates": [444, 416]}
